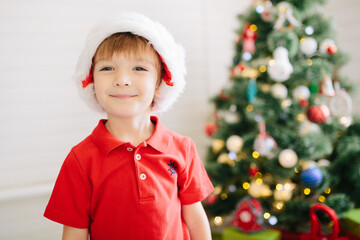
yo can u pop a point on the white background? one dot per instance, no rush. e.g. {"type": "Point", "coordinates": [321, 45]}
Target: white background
{"type": "Point", "coordinates": [42, 117]}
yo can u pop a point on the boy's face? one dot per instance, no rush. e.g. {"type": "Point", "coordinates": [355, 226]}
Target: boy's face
{"type": "Point", "coordinates": [125, 84]}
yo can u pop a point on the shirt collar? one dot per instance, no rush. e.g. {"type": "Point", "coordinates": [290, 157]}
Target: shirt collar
{"type": "Point", "coordinates": [107, 142]}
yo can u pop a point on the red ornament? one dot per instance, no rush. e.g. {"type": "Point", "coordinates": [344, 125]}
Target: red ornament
{"type": "Point", "coordinates": [210, 129]}
{"type": "Point", "coordinates": [248, 216]}
{"type": "Point", "coordinates": [304, 102]}
{"type": "Point", "coordinates": [318, 114]}
{"type": "Point", "coordinates": [332, 49]}
{"type": "Point", "coordinates": [236, 71]}
{"type": "Point", "coordinates": [211, 199]}
{"type": "Point", "coordinates": [253, 170]}
{"type": "Point", "coordinates": [249, 36]}
{"type": "Point", "coordinates": [315, 233]}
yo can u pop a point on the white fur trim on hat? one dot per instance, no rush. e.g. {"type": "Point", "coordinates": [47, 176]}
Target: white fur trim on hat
{"type": "Point", "coordinates": [172, 53]}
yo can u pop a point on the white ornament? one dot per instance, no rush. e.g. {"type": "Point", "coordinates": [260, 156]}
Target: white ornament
{"type": "Point", "coordinates": [307, 127]}
{"type": "Point", "coordinates": [326, 87]}
{"type": "Point", "coordinates": [285, 13]}
{"type": "Point", "coordinates": [308, 46]}
{"type": "Point", "coordinates": [341, 104]}
{"type": "Point", "coordinates": [265, 146]}
{"type": "Point", "coordinates": [279, 91]}
{"type": "Point", "coordinates": [301, 93]}
{"type": "Point", "coordinates": [230, 117]}
{"type": "Point", "coordinates": [234, 143]}
{"type": "Point", "coordinates": [280, 67]}
{"type": "Point", "coordinates": [288, 158]}
{"type": "Point", "coordinates": [325, 44]}
{"type": "Point", "coordinates": [323, 163]}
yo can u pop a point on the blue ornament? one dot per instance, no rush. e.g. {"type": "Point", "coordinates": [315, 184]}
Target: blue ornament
{"type": "Point", "coordinates": [251, 90]}
{"type": "Point", "coordinates": [312, 177]}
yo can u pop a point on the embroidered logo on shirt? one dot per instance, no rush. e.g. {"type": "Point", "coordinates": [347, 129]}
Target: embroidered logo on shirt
{"type": "Point", "coordinates": [172, 168]}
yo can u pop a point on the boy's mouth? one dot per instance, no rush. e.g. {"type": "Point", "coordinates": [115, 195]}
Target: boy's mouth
{"type": "Point", "coordinates": [123, 96]}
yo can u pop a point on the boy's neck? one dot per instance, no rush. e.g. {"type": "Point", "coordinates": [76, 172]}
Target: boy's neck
{"type": "Point", "coordinates": [133, 130]}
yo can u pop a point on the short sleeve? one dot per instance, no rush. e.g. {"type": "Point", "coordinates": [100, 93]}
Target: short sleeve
{"type": "Point", "coordinates": [193, 181]}
{"type": "Point", "coordinates": [69, 203]}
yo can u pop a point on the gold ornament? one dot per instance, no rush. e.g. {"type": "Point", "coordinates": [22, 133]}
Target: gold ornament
{"type": "Point", "coordinates": [217, 145]}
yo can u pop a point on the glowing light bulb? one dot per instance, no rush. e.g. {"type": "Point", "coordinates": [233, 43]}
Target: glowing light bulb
{"type": "Point", "coordinates": [218, 220]}
{"type": "Point", "coordinates": [246, 185]}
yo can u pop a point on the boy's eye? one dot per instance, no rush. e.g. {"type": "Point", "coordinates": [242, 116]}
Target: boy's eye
{"type": "Point", "coordinates": [106, 69]}
{"type": "Point", "coordinates": [139, 69]}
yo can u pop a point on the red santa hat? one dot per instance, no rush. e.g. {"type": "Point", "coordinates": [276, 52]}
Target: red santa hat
{"type": "Point", "coordinates": [171, 54]}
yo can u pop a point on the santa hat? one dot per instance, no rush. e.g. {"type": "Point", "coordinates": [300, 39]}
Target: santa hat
{"type": "Point", "coordinates": [171, 54]}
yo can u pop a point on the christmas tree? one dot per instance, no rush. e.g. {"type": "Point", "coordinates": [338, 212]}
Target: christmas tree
{"type": "Point", "coordinates": [283, 130]}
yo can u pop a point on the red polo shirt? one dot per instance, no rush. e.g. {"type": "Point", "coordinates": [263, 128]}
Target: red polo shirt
{"type": "Point", "coordinates": [119, 191]}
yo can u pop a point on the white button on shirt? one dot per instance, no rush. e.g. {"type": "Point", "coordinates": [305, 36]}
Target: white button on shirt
{"type": "Point", "coordinates": [137, 156]}
{"type": "Point", "coordinates": [130, 149]}
{"type": "Point", "coordinates": [143, 176]}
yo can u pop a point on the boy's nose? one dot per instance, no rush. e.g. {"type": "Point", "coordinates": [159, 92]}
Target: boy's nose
{"type": "Point", "coordinates": [122, 80]}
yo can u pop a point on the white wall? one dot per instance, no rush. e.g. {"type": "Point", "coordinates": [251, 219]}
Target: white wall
{"type": "Point", "coordinates": [41, 115]}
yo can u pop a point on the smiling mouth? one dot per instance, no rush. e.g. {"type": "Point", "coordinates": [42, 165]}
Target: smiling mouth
{"type": "Point", "coordinates": [123, 96]}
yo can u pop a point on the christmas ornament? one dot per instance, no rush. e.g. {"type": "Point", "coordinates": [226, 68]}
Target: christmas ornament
{"type": "Point", "coordinates": [306, 127]}
{"type": "Point", "coordinates": [258, 189]}
{"type": "Point", "coordinates": [279, 91]}
{"type": "Point", "coordinates": [265, 9]}
{"type": "Point", "coordinates": [285, 13]}
{"type": "Point", "coordinates": [248, 216]}
{"type": "Point", "coordinates": [326, 87]}
{"type": "Point", "coordinates": [323, 163]}
{"type": "Point", "coordinates": [249, 72]}
{"type": "Point", "coordinates": [308, 46]}
{"type": "Point", "coordinates": [237, 70]}
{"type": "Point", "coordinates": [327, 46]}
{"type": "Point", "coordinates": [312, 177]}
{"type": "Point", "coordinates": [316, 232]}
{"type": "Point", "coordinates": [304, 102]}
{"type": "Point", "coordinates": [217, 145]}
{"type": "Point", "coordinates": [253, 170]}
{"type": "Point", "coordinates": [318, 114]}
{"type": "Point", "coordinates": [230, 117]}
{"type": "Point", "coordinates": [301, 92]}
{"type": "Point", "coordinates": [341, 103]}
{"type": "Point", "coordinates": [224, 158]}
{"type": "Point", "coordinates": [210, 129]}
{"type": "Point", "coordinates": [251, 90]}
{"type": "Point", "coordinates": [211, 199]}
{"type": "Point", "coordinates": [288, 158]}
{"type": "Point", "coordinates": [234, 143]}
{"type": "Point", "coordinates": [249, 36]}
{"type": "Point", "coordinates": [305, 164]}
{"type": "Point", "coordinates": [284, 192]}
{"type": "Point", "coordinates": [265, 145]}
{"type": "Point", "coordinates": [280, 67]}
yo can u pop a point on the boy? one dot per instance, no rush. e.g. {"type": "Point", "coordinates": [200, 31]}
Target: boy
{"type": "Point", "coordinates": [131, 178]}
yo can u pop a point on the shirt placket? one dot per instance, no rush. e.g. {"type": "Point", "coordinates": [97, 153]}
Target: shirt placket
{"type": "Point", "coordinates": [142, 174]}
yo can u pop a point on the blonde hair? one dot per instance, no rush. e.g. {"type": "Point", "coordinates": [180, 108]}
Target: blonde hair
{"type": "Point", "coordinates": [128, 43]}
